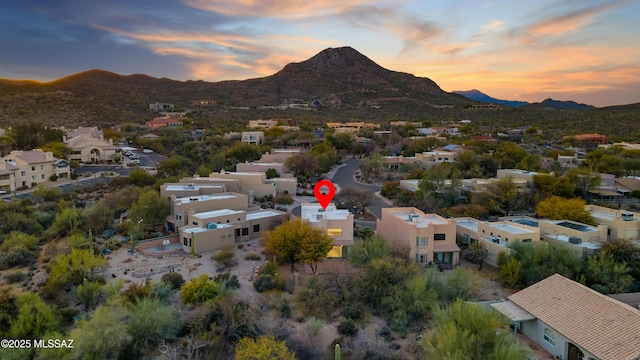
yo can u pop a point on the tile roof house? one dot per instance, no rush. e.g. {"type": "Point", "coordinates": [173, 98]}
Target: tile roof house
{"type": "Point", "coordinates": [31, 168]}
{"type": "Point", "coordinates": [572, 321]}
{"type": "Point", "coordinates": [88, 145]}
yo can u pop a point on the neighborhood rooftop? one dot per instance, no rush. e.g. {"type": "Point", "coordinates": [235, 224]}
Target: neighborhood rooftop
{"type": "Point", "coordinates": [605, 327]}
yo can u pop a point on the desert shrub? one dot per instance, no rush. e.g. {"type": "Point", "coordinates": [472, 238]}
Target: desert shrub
{"type": "Point", "coordinates": [229, 281]}
{"type": "Point", "coordinates": [347, 327]}
{"type": "Point", "coordinates": [265, 282]}
{"type": "Point", "coordinates": [112, 244]}
{"type": "Point", "coordinates": [53, 177]}
{"type": "Point", "coordinates": [252, 256]}
{"type": "Point", "coordinates": [174, 279]}
{"type": "Point", "coordinates": [354, 311]}
{"type": "Point", "coordinates": [136, 292]}
{"type": "Point", "coordinates": [314, 327]}
{"type": "Point", "coordinates": [16, 277]}
{"type": "Point", "coordinates": [225, 257]}
{"type": "Point", "coordinates": [270, 268]}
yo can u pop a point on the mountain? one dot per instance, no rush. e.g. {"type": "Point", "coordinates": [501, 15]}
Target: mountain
{"type": "Point", "coordinates": [477, 95]}
{"type": "Point", "coordinates": [563, 105]}
{"type": "Point", "coordinates": [340, 79]}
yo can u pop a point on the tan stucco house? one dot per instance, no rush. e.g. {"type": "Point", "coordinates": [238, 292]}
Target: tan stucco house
{"type": "Point", "coordinates": [429, 238]}
{"type": "Point", "coordinates": [88, 145]}
{"type": "Point", "coordinates": [334, 222]}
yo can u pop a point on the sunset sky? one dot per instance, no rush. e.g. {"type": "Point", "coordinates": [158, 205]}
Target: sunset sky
{"type": "Point", "coordinates": [582, 50]}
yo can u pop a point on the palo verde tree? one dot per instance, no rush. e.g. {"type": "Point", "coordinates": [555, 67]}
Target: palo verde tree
{"type": "Point", "coordinates": [296, 241]}
{"type": "Point", "coordinates": [467, 331]}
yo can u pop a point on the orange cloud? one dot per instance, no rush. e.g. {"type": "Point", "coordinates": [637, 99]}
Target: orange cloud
{"type": "Point", "coordinates": [291, 9]}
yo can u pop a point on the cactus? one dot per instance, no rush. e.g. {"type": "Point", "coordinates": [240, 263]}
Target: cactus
{"type": "Point", "coordinates": [337, 352]}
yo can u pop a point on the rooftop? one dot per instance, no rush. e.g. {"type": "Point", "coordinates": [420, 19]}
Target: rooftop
{"type": "Point", "coordinates": [178, 187]}
{"type": "Point", "coordinates": [584, 244]}
{"type": "Point", "coordinates": [605, 327]}
{"type": "Point", "coordinates": [573, 225]}
{"type": "Point", "coordinates": [186, 200]}
{"type": "Point", "coordinates": [196, 229]}
{"type": "Point", "coordinates": [313, 212]}
{"type": "Point", "coordinates": [470, 224]}
{"type": "Point", "coordinates": [513, 229]}
{"type": "Point", "coordinates": [416, 216]}
{"type": "Point", "coordinates": [216, 213]}
{"type": "Point", "coordinates": [263, 214]}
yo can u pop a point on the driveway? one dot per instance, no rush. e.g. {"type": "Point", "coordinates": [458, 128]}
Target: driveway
{"type": "Point", "coordinates": [344, 177]}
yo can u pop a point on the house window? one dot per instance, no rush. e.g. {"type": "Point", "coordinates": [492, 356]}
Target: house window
{"type": "Point", "coordinates": [334, 232]}
{"type": "Point", "coordinates": [526, 240]}
{"type": "Point", "coordinates": [238, 232]}
{"type": "Point", "coordinates": [256, 228]}
{"type": "Point", "coordinates": [42, 176]}
{"type": "Point", "coordinates": [245, 231]}
{"type": "Point", "coordinates": [23, 173]}
{"type": "Point", "coordinates": [439, 237]}
{"type": "Point", "coordinates": [185, 241]}
{"type": "Point", "coordinates": [421, 241]}
{"type": "Point", "coordinates": [41, 167]}
{"type": "Point", "coordinates": [549, 336]}
{"type": "Point", "coordinates": [222, 237]}
{"type": "Point", "coordinates": [33, 168]}
{"type": "Point", "coordinates": [194, 223]}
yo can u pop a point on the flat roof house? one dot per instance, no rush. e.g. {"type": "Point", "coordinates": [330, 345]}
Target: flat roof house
{"type": "Point", "coordinates": [429, 238]}
{"type": "Point", "coordinates": [182, 208]}
{"type": "Point", "coordinates": [494, 236]}
{"type": "Point", "coordinates": [574, 322]}
{"type": "Point", "coordinates": [336, 223]}
{"type": "Point", "coordinates": [621, 224]}
{"type": "Point", "coordinates": [216, 229]}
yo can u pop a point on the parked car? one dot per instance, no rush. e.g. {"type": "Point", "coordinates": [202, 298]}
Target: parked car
{"type": "Point", "coordinates": [147, 151]}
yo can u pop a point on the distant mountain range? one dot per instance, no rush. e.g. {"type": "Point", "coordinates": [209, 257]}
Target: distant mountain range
{"type": "Point", "coordinates": [477, 95]}
{"type": "Point", "coordinates": [339, 84]}
{"type": "Point", "coordinates": [336, 78]}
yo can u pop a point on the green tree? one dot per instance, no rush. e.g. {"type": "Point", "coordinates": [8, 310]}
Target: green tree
{"type": "Point", "coordinates": [411, 301]}
{"type": "Point", "coordinates": [296, 241]}
{"type": "Point", "coordinates": [66, 221]}
{"type": "Point", "coordinates": [529, 263]}
{"type": "Point", "coordinates": [150, 208]}
{"type": "Point", "coordinates": [242, 152]}
{"type": "Point", "coordinates": [584, 179]}
{"type": "Point", "coordinates": [467, 331]}
{"type": "Point", "coordinates": [18, 249]}
{"type": "Point", "coordinates": [35, 318]}
{"type": "Point", "coordinates": [505, 197]}
{"type": "Point", "coordinates": [371, 166]}
{"type": "Point", "coordinates": [102, 336]}
{"type": "Point", "coordinates": [624, 251]}
{"type": "Point", "coordinates": [74, 268]}
{"type": "Point", "coordinates": [200, 290]}
{"type": "Point", "coordinates": [139, 177]}
{"type": "Point", "coordinates": [603, 274]}
{"type": "Point", "coordinates": [272, 173]}
{"type": "Point", "coordinates": [264, 348]}
{"type": "Point", "coordinates": [363, 251]}
{"type": "Point", "coordinates": [98, 217]}
{"type": "Point", "coordinates": [58, 148]}
{"type": "Point", "coordinates": [557, 208]}
{"type": "Point", "coordinates": [47, 193]}
{"type": "Point", "coordinates": [88, 292]}
{"type": "Point", "coordinates": [151, 321]}
{"type": "Point", "coordinates": [440, 186]}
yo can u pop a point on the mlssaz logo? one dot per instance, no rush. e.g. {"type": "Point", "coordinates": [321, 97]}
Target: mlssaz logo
{"type": "Point", "coordinates": [54, 344]}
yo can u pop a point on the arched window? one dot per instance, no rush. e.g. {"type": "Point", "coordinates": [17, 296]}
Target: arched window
{"type": "Point", "coordinates": [549, 336]}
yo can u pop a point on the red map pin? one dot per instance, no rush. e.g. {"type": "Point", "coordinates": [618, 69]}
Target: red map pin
{"type": "Point", "coordinates": [324, 197]}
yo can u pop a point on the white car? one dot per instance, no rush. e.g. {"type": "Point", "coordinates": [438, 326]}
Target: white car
{"type": "Point", "coordinates": [135, 161]}
{"type": "Point", "coordinates": [147, 151]}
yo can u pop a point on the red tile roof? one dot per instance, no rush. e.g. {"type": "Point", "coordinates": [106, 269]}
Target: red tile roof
{"type": "Point", "coordinates": [605, 327]}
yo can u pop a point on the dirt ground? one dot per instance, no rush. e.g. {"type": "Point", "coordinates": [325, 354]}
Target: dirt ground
{"type": "Point", "coordinates": [374, 336]}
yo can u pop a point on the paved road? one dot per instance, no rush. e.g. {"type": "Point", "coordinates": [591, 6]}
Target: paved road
{"type": "Point", "coordinates": [344, 177]}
